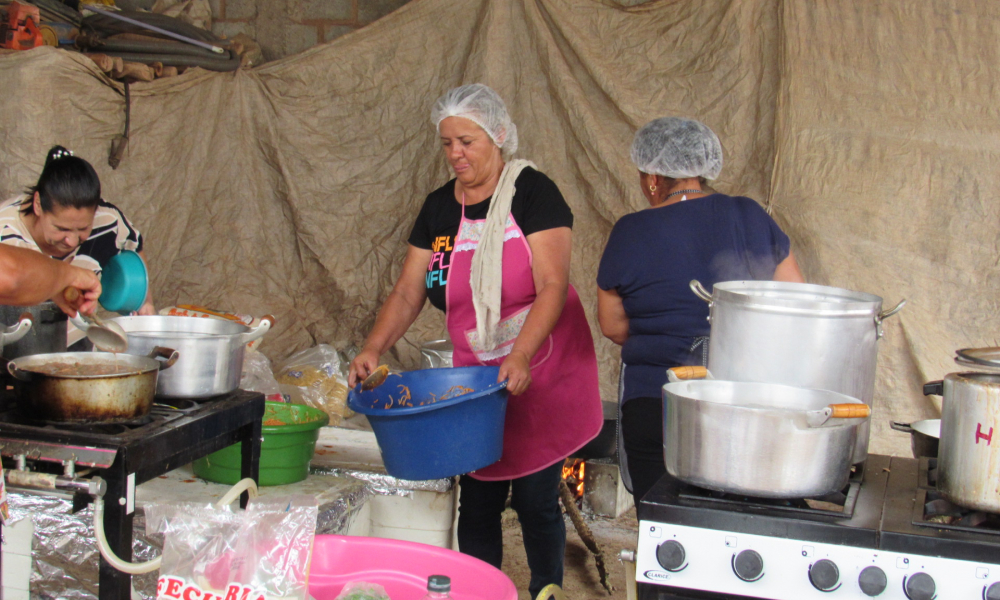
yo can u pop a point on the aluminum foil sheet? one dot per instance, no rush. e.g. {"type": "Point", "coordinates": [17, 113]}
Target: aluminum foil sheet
{"type": "Point", "coordinates": [387, 485]}
{"type": "Point", "coordinates": [65, 554]}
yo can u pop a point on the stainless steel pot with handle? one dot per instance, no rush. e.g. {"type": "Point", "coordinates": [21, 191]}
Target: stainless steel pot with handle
{"type": "Point", "coordinates": [798, 334]}
{"type": "Point", "coordinates": [924, 436]}
{"type": "Point", "coordinates": [968, 462]}
{"type": "Point", "coordinates": [32, 330]}
{"type": "Point", "coordinates": [759, 439]}
{"type": "Point", "coordinates": [211, 351]}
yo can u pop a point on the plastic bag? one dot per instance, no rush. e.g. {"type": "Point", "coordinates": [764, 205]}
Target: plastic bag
{"type": "Point", "coordinates": [359, 590]}
{"type": "Point", "coordinates": [313, 377]}
{"type": "Point", "coordinates": [213, 553]}
{"type": "Point", "coordinates": [257, 375]}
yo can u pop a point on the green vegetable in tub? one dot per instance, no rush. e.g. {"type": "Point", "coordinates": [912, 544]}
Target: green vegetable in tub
{"type": "Point", "coordinates": [355, 590]}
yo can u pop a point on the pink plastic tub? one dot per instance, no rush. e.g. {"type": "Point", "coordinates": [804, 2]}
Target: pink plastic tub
{"type": "Point", "coordinates": [401, 568]}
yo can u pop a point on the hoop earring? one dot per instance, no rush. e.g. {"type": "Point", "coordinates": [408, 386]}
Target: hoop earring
{"type": "Point", "coordinates": [652, 189]}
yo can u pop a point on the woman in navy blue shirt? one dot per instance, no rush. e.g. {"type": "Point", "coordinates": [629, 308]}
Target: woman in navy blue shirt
{"type": "Point", "coordinates": [644, 302]}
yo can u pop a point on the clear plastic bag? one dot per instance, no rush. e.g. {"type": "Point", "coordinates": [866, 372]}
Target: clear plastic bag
{"type": "Point", "coordinates": [257, 375]}
{"type": "Point", "coordinates": [314, 377]}
{"type": "Point", "coordinates": [359, 590]}
{"type": "Point", "coordinates": [213, 553]}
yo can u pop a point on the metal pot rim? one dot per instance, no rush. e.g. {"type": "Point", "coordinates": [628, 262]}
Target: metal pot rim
{"type": "Point", "coordinates": [829, 398]}
{"type": "Point", "coordinates": [145, 364]}
{"type": "Point", "coordinates": [804, 296]}
{"type": "Point", "coordinates": [975, 377]}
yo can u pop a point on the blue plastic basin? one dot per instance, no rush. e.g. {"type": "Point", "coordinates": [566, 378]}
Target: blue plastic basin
{"type": "Point", "coordinates": [426, 437]}
{"type": "Point", "coordinates": [124, 283]}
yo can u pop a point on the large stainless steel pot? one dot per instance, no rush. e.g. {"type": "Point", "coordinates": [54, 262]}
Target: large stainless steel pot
{"type": "Point", "coordinates": [968, 461]}
{"type": "Point", "coordinates": [759, 439]}
{"type": "Point", "coordinates": [797, 334]}
{"type": "Point", "coordinates": [33, 329]}
{"type": "Point", "coordinates": [88, 398]}
{"type": "Point", "coordinates": [211, 351]}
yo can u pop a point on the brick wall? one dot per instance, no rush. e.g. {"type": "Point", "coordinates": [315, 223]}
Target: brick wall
{"type": "Point", "coordinates": [285, 27]}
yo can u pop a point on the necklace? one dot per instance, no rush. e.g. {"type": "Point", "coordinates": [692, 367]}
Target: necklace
{"type": "Point", "coordinates": [683, 192]}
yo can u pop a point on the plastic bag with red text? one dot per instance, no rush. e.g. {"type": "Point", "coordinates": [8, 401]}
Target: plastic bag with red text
{"type": "Point", "coordinates": [217, 553]}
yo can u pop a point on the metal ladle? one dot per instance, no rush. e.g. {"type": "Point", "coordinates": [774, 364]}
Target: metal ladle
{"type": "Point", "coordinates": [106, 336]}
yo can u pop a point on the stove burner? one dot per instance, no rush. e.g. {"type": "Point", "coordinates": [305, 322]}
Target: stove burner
{"type": "Point", "coordinates": [941, 513]}
{"type": "Point", "coordinates": [838, 505]}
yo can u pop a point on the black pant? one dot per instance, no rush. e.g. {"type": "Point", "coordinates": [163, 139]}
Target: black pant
{"type": "Point", "coordinates": [535, 497]}
{"type": "Point", "coordinates": [642, 436]}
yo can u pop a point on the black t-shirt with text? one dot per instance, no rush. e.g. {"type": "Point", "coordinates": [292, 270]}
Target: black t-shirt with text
{"type": "Point", "coordinates": [537, 205]}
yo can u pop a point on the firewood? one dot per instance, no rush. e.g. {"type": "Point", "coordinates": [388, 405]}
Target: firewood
{"type": "Point", "coordinates": [569, 503]}
{"type": "Point", "coordinates": [136, 72]}
{"type": "Point", "coordinates": [103, 61]}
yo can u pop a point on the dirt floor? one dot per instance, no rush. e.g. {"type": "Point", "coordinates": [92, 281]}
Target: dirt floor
{"type": "Point", "coordinates": [581, 581]}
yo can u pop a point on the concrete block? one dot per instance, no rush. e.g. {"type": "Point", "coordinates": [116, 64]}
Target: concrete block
{"type": "Point", "coordinates": [229, 30]}
{"type": "Point", "coordinates": [15, 594]}
{"type": "Point", "coordinates": [299, 38]}
{"type": "Point", "coordinates": [430, 511]}
{"type": "Point", "coordinates": [371, 10]}
{"type": "Point", "coordinates": [604, 492]}
{"type": "Point", "coordinates": [216, 6]}
{"type": "Point", "coordinates": [441, 539]}
{"type": "Point", "coordinates": [16, 572]}
{"type": "Point", "coordinates": [18, 537]}
{"type": "Point", "coordinates": [331, 10]}
{"type": "Point", "coordinates": [239, 9]}
{"type": "Point", "coordinates": [361, 521]}
{"type": "Point", "coordinates": [332, 32]}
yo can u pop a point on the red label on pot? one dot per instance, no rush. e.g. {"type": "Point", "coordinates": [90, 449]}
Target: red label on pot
{"type": "Point", "coordinates": [983, 436]}
{"type": "Point", "coordinates": [175, 588]}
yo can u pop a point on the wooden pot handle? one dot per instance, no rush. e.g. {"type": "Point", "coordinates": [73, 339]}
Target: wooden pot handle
{"type": "Point", "coordinates": [850, 411]}
{"type": "Point", "coordinates": [690, 372]}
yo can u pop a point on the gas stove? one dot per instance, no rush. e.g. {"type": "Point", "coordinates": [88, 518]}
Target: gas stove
{"type": "Point", "coordinates": [874, 540]}
{"type": "Point", "coordinates": [71, 458]}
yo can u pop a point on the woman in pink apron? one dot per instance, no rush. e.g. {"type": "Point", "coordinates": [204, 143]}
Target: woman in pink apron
{"type": "Point", "coordinates": [492, 249]}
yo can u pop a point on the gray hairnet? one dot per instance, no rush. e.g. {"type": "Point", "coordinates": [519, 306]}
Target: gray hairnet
{"type": "Point", "coordinates": [677, 148]}
{"type": "Point", "coordinates": [484, 107]}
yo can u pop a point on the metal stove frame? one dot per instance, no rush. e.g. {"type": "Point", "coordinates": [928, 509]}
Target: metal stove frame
{"type": "Point", "coordinates": [136, 456]}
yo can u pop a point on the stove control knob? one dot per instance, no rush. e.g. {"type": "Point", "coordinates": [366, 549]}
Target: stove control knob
{"type": "Point", "coordinates": [670, 554]}
{"type": "Point", "coordinates": [920, 587]}
{"type": "Point", "coordinates": [873, 581]}
{"type": "Point", "coordinates": [748, 565]}
{"type": "Point", "coordinates": [993, 593]}
{"type": "Point", "coordinates": [824, 575]}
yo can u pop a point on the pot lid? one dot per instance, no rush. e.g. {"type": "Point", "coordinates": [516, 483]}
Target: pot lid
{"type": "Point", "coordinates": [979, 357]}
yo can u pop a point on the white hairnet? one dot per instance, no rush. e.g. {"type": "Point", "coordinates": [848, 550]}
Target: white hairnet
{"type": "Point", "coordinates": [677, 148]}
{"type": "Point", "coordinates": [484, 107]}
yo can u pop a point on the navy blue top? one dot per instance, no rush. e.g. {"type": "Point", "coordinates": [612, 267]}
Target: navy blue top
{"type": "Point", "coordinates": [651, 257]}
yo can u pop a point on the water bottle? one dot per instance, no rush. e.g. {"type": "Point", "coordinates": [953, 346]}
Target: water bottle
{"type": "Point", "coordinates": [438, 588]}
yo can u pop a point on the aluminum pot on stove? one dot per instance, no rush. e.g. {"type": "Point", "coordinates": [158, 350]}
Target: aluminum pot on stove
{"type": "Point", "coordinates": [968, 464]}
{"type": "Point", "coordinates": [88, 387]}
{"type": "Point", "coordinates": [798, 334]}
{"type": "Point", "coordinates": [211, 351]}
{"type": "Point", "coordinates": [758, 439]}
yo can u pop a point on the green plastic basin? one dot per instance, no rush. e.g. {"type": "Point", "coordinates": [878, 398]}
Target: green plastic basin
{"type": "Point", "coordinates": [290, 434]}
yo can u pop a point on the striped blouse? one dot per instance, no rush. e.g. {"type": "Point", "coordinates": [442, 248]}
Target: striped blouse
{"type": "Point", "coordinates": [111, 234]}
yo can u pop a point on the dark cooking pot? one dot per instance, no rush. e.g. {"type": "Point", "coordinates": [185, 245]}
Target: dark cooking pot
{"type": "Point", "coordinates": [924, 436]}
{"type": "Point", "coordinates": [88, 387]}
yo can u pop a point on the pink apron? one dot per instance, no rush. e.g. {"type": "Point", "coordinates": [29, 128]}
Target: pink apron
{"type": "Point", "coordinates": [561, 410]}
